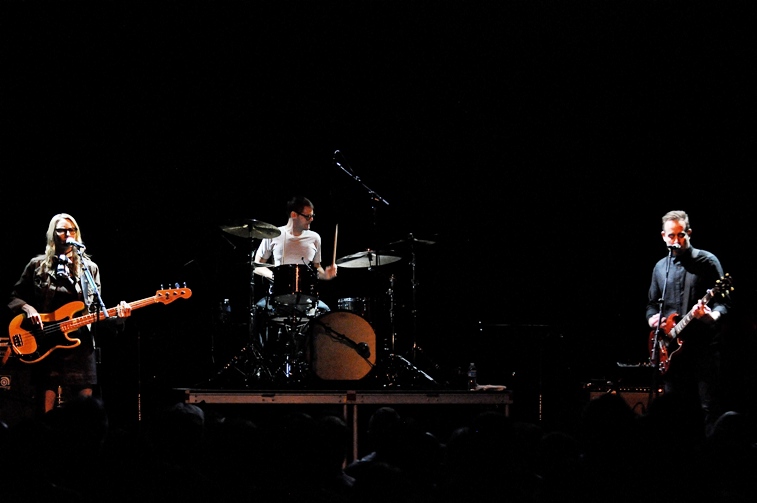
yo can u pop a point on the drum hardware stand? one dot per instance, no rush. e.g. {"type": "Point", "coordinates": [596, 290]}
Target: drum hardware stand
{"type": "Point", "coordinates": [397, 372]}
{"type": "Point", "coordinates": [414, 309]}
{"type": "Point", "coordinates": [250, 363]}
{"type": "Point", "coordinates": [293, 368]}
{"type": "Point", "coordinates": [287, 358]}
{"type": "Point", "coordinates": [393, 334]}
{"type": "Point", "coordinates": [397, 367]}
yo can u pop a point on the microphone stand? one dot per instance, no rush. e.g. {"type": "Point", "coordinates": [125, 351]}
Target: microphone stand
{"type": "Point", "coordinates": [655, 356]}
{"type": "Point", "coordinates": [375, 198]}
{"type": "Point", "coordinates": [97, 307]}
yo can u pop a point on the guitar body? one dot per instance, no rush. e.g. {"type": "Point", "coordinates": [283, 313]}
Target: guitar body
{"type": "Point", "coordinates": [32, 344]}
{"type": "Point", "coordinates": [666, 346]}
{"type": "Point", "coordinates": [669, 342]}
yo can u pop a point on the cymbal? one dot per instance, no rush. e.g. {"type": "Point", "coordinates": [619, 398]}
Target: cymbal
{"type": "Point", "coordinates": [252, 229]}
{"type": "Point", "coordinates": [410, 239]}
{"type": "Point", "coordinates": [368, 258]}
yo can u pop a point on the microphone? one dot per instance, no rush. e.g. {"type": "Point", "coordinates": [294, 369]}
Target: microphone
{"type": "Point", "coordinates": [309, 266]}
{"type": "Point", "coordinates": [72, 241]}
{"type": "Point", "coordinates": [363, 350]}
{"type": "Point", "coordinates": [670, 247]}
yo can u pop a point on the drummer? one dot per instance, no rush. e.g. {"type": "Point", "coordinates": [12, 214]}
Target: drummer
{"type": "Point", "coordinates": [296, 244]}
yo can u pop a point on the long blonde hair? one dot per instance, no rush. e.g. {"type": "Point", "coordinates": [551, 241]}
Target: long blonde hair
{"type": "Point", "coordinates": [50, 249]}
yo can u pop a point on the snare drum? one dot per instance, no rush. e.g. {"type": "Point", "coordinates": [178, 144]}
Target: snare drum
{"type": "Point", "coordinates": [295, 284]}
{"type": "Point", "coordinates": [300, 314]}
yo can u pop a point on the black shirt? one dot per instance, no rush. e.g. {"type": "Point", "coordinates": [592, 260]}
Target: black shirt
{"type": "Point", "coordinates": [691, 274]}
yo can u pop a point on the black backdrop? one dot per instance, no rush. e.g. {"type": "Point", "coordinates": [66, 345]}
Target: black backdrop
{"type": "Point", "coordinates": [537, 144]}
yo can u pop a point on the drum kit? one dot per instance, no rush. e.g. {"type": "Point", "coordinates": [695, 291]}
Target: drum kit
{"type": "Point", "coordinates": [296, 340]}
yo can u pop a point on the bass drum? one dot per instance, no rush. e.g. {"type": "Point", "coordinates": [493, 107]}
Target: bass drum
{"type": "Point", "coordinates": [342, 346]}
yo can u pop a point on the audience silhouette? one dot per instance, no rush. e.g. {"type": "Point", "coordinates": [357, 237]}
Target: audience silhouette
{"type": "Point", "coordinates": [195, 453]}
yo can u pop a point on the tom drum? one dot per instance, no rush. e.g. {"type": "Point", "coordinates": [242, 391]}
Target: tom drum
{"type": "Point", "coordinates": [357, 305]}
{"type": "Point", "coordinates": [295, 284]}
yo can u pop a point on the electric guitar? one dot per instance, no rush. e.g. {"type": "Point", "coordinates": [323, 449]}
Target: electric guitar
{"type": "Point", "coordinates": [32, 344]}
{"type": "Point", "coordinates": [669, 342]}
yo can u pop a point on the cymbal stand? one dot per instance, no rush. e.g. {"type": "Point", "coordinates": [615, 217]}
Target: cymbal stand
{"type": "Point", "coordinates": [393, 370]}
{"type": "Point", "coordinates": [413, 309]}
{"type": "Point", "coordinates": [250, 363]}
{"type": "Point", "coordinates": [414, 313]}
{"type": "Point", "coordinates": [389, 348]}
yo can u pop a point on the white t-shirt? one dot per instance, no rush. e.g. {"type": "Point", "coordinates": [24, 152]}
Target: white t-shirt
{"type": "Point", "coordinates": [289, 249]}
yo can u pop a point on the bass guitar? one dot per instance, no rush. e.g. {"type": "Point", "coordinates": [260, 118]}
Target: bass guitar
{"type": "Point", "coordinates": [669, 343]}
{"type": "Point", "coordinates": [32, 344]}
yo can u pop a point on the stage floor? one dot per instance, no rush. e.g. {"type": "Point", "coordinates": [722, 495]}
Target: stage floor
{"type": "Point", "coordinates": [350, 401]}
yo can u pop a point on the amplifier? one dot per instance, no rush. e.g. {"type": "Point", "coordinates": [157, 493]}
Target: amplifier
{"type": "Point", "coordinates": [637, 397]}
{"type": "Point", "coordinates": [17, 397]}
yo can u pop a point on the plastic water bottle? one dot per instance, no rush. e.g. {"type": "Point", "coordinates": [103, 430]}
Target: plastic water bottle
{"type": "Point", "coordinates": [472, 377]}
{"type": "Point", "coordinates": [224, 311]}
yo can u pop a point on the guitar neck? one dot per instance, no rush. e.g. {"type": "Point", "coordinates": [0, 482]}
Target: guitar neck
{"type": "Point", "coordinates": [676, 330]}
{"type": "Point", "coordinates": [76, 323]}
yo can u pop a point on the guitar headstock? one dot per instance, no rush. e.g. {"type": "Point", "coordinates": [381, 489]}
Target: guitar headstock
{"type": "Point", "coordinates": [723, 286]}
{"type": "Point", "coordinates": [170, 295]}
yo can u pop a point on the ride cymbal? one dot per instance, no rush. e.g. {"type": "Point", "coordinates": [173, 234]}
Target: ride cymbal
{"type": "Point", "coordinates": [368, 258]}
{"type": "Point", "coordinates": [411, 240]}
{"type": "Point", "coordinates": [252, 229]}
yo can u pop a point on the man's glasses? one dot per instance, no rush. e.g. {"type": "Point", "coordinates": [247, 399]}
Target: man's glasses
{"type": "Point", "coordinates": [306, 217]}
{"type": "Point", "coordinates": [61, 230]}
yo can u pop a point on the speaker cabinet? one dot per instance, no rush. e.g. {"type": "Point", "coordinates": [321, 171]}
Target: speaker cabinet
{"type": "Point", "coordinates": [17, 397]}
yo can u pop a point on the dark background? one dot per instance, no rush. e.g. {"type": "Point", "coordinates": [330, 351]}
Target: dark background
{"type": "Point", "coordinates": [537, 144]}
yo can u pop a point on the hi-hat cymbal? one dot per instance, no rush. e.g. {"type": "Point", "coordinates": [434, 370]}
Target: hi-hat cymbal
{"type": "Point", "coordinates": [368, 258]}
{"type": "Point", "coordinates": [252, 229]}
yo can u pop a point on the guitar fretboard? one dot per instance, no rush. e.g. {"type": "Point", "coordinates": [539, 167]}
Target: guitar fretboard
{"type": "Point", "coordinates": [676, 330]}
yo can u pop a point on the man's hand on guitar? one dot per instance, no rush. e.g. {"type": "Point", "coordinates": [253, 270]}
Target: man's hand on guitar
{"type": "Point", "coordinates": [702, 311]}
{"type": "Point", "coordinates": [654, 320]}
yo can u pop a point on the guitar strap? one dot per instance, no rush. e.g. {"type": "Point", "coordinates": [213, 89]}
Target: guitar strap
{"type": "Point", "coordinates": [85, 290]}
{"type": "Point", "coordinates": [688, 281]}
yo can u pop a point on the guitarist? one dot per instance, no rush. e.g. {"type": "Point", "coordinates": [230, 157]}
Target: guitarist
{"type": "Point", "coordinates": [48, 282]}
{"type": "Point", "coordinates": [685, 275]}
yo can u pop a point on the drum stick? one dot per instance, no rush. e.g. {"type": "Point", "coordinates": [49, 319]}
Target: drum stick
{"type": "Point", "coordinates": [336, 233]}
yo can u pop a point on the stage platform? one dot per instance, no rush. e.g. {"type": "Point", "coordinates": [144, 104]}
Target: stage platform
{"type": "Point", "coordinates": [351, 400]}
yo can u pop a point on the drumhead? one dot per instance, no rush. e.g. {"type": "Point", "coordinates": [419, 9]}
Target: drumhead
{"type": "Point", "coordinates": [337, 338]}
